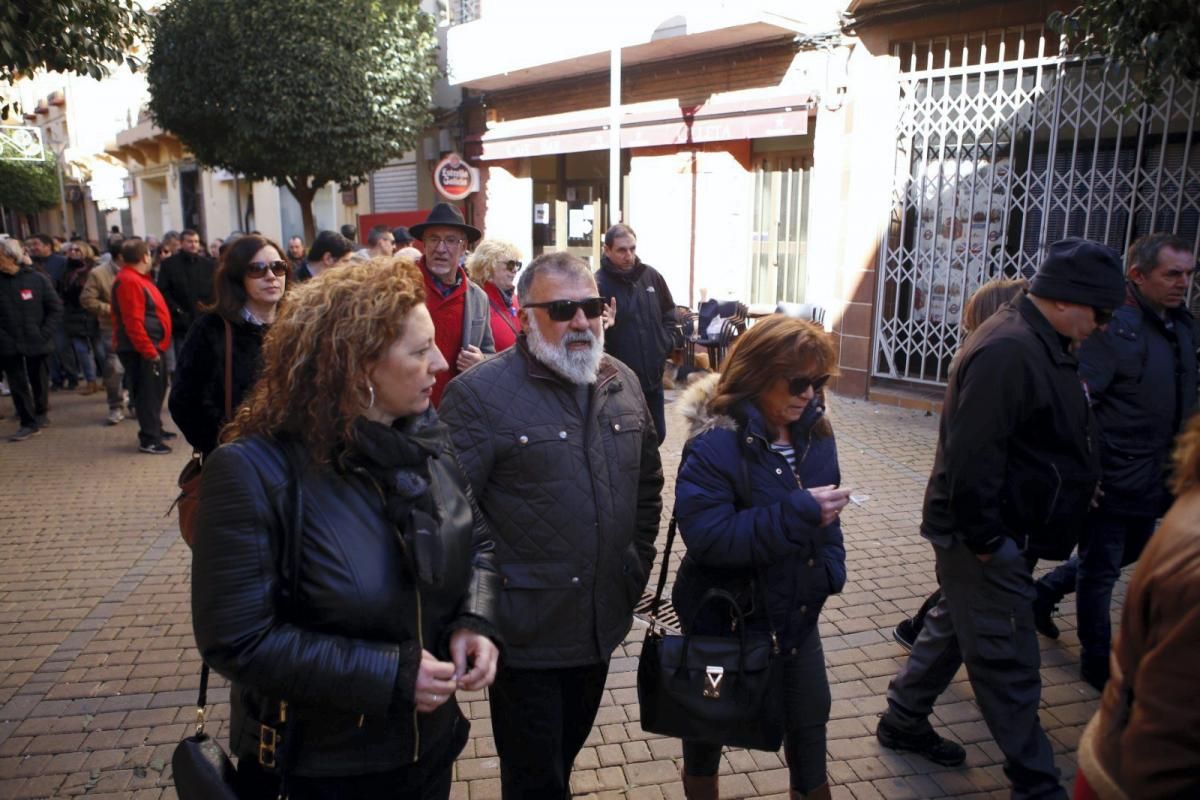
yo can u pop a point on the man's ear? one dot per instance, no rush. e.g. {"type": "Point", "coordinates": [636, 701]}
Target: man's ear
{"type": "Point", "coordinates": [523, 316]}
{"type": "Point", "coordinates": [1136, 276]}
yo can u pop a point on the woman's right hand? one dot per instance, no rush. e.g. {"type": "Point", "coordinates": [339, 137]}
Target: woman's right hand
{"type": "Point", "coordinates": [831, 499]}
{"type": "Point", "coordinates": [436, 682]}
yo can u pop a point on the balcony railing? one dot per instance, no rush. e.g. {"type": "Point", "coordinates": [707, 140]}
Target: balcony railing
{"type": "Point", "coordinates": [463, 11]}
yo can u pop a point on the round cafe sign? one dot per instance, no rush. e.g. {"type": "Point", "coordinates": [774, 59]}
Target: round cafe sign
{"type": "Point", "coordinates": [452, 177]}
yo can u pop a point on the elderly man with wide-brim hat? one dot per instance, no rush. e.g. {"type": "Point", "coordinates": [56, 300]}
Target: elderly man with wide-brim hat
{"type": "Point", "coordinates": [459, 308]}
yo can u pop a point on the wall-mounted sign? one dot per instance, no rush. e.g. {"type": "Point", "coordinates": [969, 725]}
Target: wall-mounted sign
{"type": "Point", "coordinates": [454, 178]}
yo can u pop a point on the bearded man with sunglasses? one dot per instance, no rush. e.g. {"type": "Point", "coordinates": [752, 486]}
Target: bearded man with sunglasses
{"type": "Point", "coordinates": [1016, 468]}
{"type": "Point", "coordinates": [460, 311]}
{"type": "Point", "coordinates": [558, 444]}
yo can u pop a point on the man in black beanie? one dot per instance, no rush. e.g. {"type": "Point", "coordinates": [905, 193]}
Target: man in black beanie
{"type": "Point", "coordinates": [1015, 471]}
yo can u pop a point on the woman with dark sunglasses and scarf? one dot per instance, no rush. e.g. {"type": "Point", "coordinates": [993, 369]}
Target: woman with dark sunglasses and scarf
{"type": "Point", "coordinates": [493, 266]}
{"type": "Point", "coordinates": [248, 287]}
{"type": "Point", "coordinates": [757, 501]}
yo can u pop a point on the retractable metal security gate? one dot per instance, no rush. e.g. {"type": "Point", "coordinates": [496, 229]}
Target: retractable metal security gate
{"type": "Point", "coordinates": [1002, 147]}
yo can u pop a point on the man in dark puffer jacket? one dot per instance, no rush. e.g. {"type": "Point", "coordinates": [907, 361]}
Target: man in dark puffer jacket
{"type": "Point", "coordinates": [557, 443]}
{"type": "Point", "coordinates": [30, 312]}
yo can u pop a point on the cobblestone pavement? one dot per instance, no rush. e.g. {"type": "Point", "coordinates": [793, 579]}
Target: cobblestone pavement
{"type": "Point", "coordinates": [98, 670]}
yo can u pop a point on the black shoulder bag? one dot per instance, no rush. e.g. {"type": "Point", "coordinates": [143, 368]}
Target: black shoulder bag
{"type": "Point", "coordinates": [200, 766]}
{"type": "Point", "coordinates": [725, 690]}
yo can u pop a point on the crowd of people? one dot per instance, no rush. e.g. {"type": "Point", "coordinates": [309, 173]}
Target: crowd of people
{"type": "Point", "coordinates": [436, 470]}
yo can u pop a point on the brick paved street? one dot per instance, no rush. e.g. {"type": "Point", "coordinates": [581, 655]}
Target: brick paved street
{"type": "Point", "coordinates": [98, 670]}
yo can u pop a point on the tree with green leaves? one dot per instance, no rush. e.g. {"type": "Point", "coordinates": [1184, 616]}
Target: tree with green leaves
{"type": "Point", "coordinates": [298, 92]}
{"type": "Point", "coordinates": [28, 187]}
{"type": "Point", "coordinates": [1159, 40]}
{"type": "Point", "coordinates": [85, 37]}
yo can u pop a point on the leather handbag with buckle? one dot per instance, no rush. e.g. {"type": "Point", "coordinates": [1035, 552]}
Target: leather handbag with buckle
{"type": "Point", "coordinates": [201, 768]}
{"type": "Point", "coordinates": [725, 690]}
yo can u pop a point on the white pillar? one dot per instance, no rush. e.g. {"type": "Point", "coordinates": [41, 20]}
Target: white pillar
{"type": "Point", "coordinates": [614, 137]}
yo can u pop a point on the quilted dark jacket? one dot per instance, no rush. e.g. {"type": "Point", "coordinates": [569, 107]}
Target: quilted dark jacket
{"type": "Point", "coordinates": [344, 653]}
{"type": "Point", "coordinates": [573, 500]}
{"type": "Point", "coordinates": [748, 525]}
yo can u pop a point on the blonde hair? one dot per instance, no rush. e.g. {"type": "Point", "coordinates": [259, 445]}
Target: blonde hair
{"type": "Point", "coordinates": [988, 299]}
{"type": "Point", "coordinates": [487, 255]}
{"type": "Point", "coordinates": [319, 352]}
{"type": "Point", "coordinates": [774, 347]}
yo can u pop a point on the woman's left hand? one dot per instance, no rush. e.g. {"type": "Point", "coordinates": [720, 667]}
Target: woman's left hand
{"type": "Point", "coordinates": [479, 653]}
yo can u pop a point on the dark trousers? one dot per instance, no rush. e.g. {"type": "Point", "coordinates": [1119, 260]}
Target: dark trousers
{"type": "Point", "coordinates": [1110, 542]}
{"type": "Point", "coordinates": [657, 403]}
{"type": "Point", "coordinates": [29, 382]}
{"type": "Point", "coordinates": [806, 703]}
{"type": "Point", "coordinates": [540, 720]}
{"type": "Point", "coordinates": [985, 620]}
{"type": "Point", "coordinates": [64, 368]}
{"type": "Point", "coordinates": [412, 782]}
{"type": "Point", "coordinates": [149, 382]}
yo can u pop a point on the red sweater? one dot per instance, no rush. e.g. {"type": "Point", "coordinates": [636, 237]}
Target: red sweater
{"type": "Point", "coordinates": [447, 312]}
{"type": "Point", "coordinates": [505, 324]}
{"type": "Point", "coordinates": [141, 320]}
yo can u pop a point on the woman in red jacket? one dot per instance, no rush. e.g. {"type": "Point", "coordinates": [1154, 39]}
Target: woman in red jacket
{"type": "Point", "coordinates": [493, 266]}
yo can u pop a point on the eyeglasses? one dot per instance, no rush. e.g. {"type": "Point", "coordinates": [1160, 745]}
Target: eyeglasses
{"type": "Point", "coordinates": [564, 310]}
{"type": "Point", "coordinates": [1103, 315]}
{"type": "Point", "coordinates": [512, 266]}
{"type": "Point", "coordinates": [798, 386]}
{"type": "Point", "coordinates": [258, 269]}
{"type": "Point", "coordinates": [434, 242]}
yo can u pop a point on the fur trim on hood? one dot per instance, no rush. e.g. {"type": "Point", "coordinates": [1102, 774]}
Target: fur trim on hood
{"type": "Point", "coordinates": [693, 405]}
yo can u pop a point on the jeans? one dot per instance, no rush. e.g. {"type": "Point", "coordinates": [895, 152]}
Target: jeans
{"type": "Point", "coordinates": [114, 372]}
{"type": "Point", "coordinates": [806, 703]}
{"type": "Point", "coordinates": [85, 356]}
{"type": "Point", "coordinates": [540, 720]}
{"type": "Point", "coordinates": [1110, 541]}
{"type": "Point", "coordinates": [985, 620]}
{"type": "Point", "coordinates": [149, 381]}
{"type": "Point", "coordinates": [29, 382]}
{"type": "Point", "coordinates": [64, 370]}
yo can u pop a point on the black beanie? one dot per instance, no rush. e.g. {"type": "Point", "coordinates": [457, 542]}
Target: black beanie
{"type": "Point", "coordinates": [1083, 272]}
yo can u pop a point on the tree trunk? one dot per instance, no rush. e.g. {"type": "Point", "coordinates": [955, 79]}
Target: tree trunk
{"type": "Point", "coordinates": [304, 193]}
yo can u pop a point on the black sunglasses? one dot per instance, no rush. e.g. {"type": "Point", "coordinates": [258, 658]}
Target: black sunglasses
{"type": "Point", "coordinates": [513, 266]}
{"type": "Point", "coordinates": [798, 386]}
{"type": "Point", "coordinates": [564, 310]}
{"type": "Point", "coordinates": [257, 269]}
{"type": "Point", "coordinates": [1103, 315]}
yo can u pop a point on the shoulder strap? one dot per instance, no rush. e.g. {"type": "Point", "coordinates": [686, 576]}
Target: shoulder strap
{"type": "Point", "coordinates": [662, 575]}
{"type": "Point", "coordinates": [228, 370]}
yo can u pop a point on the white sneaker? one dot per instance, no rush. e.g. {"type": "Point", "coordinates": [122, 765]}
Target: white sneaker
{"type": "Point", "coordinates": [115, 416]}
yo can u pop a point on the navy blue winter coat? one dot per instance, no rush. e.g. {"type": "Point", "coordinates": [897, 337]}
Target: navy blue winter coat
{"type": "Point", "coordinates": [749, 526]}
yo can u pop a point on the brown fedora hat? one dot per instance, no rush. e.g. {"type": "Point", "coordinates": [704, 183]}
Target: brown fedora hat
{"type": "Point", "coordinates": [446, 215]}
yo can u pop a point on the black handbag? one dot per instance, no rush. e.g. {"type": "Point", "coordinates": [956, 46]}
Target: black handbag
{"type": "Point", "coordinates": [725, 690]}
{"type": "Point", "coordinates": [201, 768]}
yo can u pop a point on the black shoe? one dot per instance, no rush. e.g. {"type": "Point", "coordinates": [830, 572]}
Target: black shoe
{"type": "Point", "coordinates": [154, 449]}
{"type": "Point", "coordinates": [906, 633]}
{"type": "Point", "coordinates": [1043, 616]}
{"type": "Point", "coordinates": [1094, 671]}
{"type": "Point", "coordinates": [169, 435]}
{"type": "Point", "coordinates": [937, 749]}
{"type": "Point", "coordinates": [23, 433]}
{"type": "Point", "coordinates": [43, 421]}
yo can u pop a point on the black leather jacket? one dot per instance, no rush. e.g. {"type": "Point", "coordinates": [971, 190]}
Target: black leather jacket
{"type": "Point", "coordinates": [344, 653]}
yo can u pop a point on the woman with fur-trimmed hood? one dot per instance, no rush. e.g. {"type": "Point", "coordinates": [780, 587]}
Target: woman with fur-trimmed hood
{"type": "Point", "coordinates": [757, 501]}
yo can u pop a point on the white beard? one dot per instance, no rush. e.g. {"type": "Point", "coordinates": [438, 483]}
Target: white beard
{"type": "Point", "coordinates": [577, 366]}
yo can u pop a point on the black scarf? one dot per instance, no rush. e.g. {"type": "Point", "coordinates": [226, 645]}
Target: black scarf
{"type": "Point", "coordinates": [397, 458]}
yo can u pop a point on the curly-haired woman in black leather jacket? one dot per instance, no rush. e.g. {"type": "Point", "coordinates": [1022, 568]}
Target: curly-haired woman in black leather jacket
{"type": "Point", "coordinates": [390, 610]}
